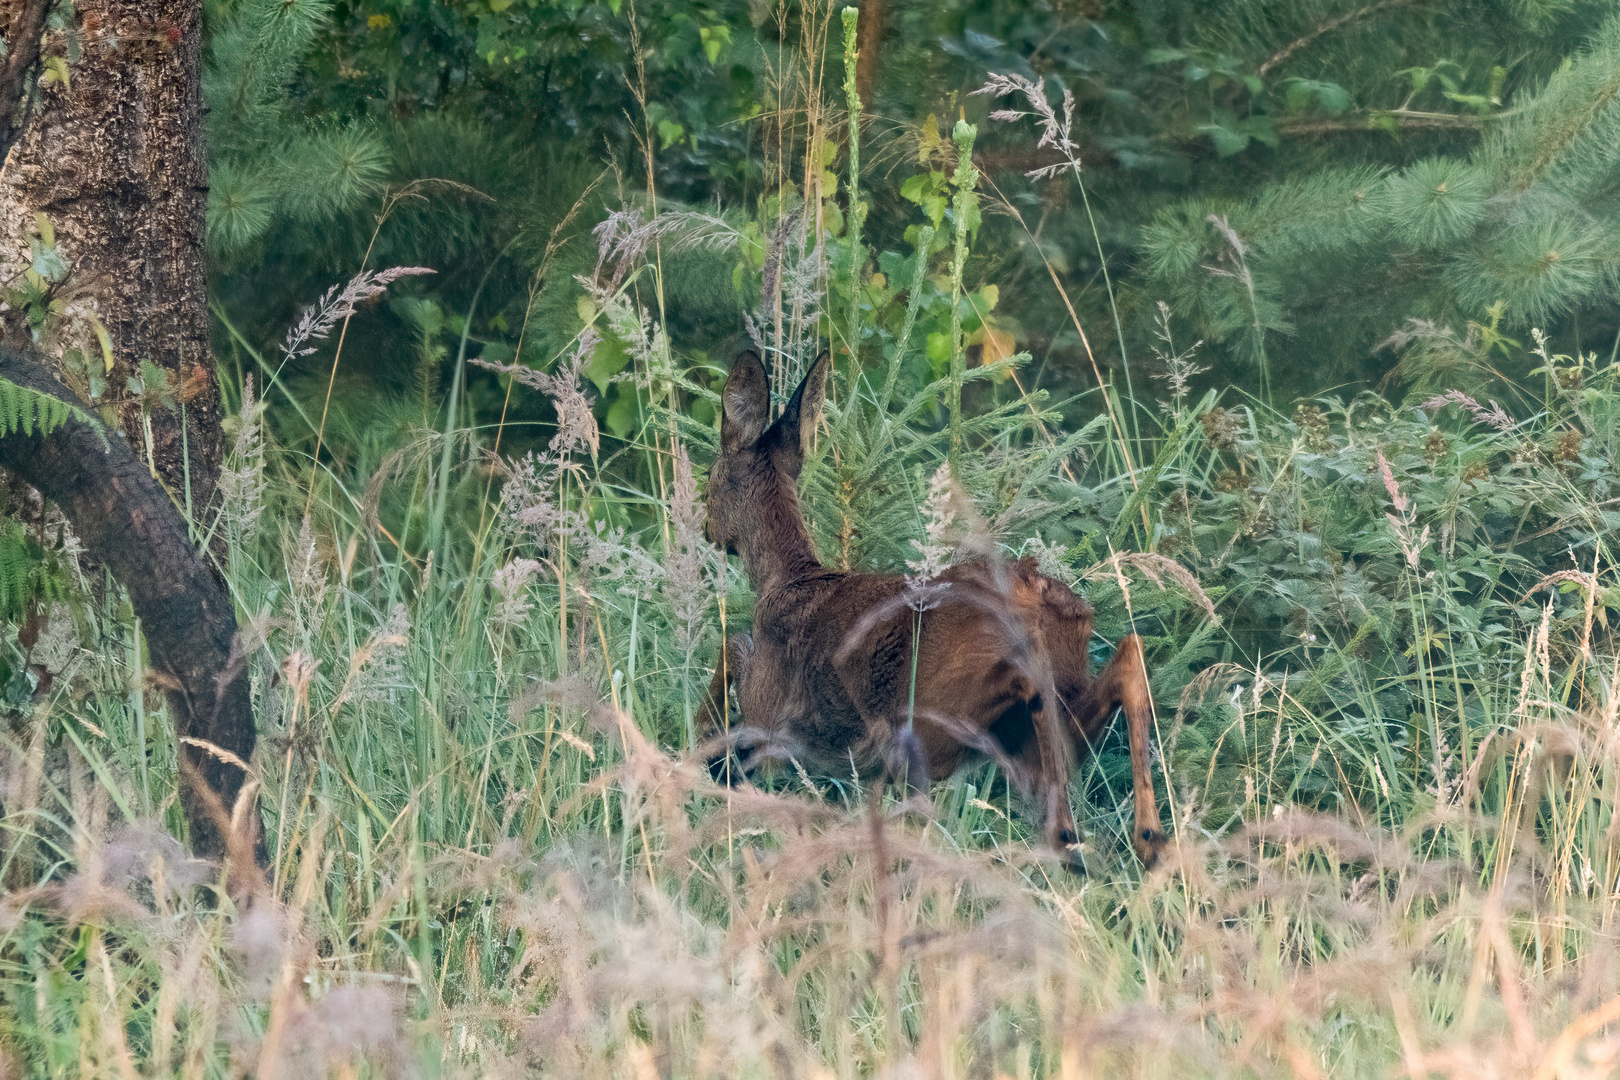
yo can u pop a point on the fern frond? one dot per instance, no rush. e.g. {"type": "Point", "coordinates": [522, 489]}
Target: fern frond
{"type": "Point", "coordinates": [18, 560]}
{"type": "Point", "coordinates": [25, 410]}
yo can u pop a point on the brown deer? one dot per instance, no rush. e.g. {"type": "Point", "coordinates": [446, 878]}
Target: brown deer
{"type": "Point", "coordinates": [841, 672]}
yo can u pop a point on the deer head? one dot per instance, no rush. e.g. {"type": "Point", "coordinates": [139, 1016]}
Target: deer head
{"type": "Point", "coordinates": [751, 496]}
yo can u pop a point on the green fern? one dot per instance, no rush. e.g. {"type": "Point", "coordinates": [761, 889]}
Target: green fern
{"type": "Point", "coordinates": [31, 576]}
{"type": "Point", "coordinates": [18, 561]}
{"type": "Point", "coordinates": [25, 410]}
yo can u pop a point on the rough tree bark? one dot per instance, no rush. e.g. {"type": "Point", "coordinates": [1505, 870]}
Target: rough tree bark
{"type": "Point", "coordinates": [21, 26]}
{"type": "Point", "coordinates": [869, 31]}
{"type": "Point", "coordinates": [116, 160]}
{"type": "Point", "coordinates": [128, 523]}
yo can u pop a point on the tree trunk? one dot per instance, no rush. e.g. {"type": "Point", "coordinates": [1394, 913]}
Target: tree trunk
{"type": "Point", "coordinates": [116, 162]}
{"type": "Point", "coordinates": [869, 30]}
{"type": "Point", "coordinates": [22, 26]}
{"type": "Point", "coordinates": [128, 524]}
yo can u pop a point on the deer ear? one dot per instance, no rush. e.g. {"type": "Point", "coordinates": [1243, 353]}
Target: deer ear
{"type": "Point", "coordinates": [745, 403]}
{"type": "Point", "coordinates": [814, 395]}
{"type": "Point", "coordinates": [797, 424]}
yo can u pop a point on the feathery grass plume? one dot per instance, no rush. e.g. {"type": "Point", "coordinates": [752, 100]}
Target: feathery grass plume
{"type": "Point", "coordinates": [785, 326]}
{"type": "Point", "coordinates": [687, 561]}
{"type": "Point", "coordinates": [1179, 368]}
{"type": "Point", "coordinates": [332, 308]}
{"type": "Point", "coordinates": [1404, 520]}
{"type": "Point", "coordinates": [1494, 416]}
{"type": "Point", "coordinates": [382, 672]}
{"type": "Point", "coordinates": [611, 556]}
{"type": "Point", "coordinates": [652, 367]}
{"type": "Point", "coordinates": [770, 279]}
{"type": "Point", "coordinates": [1156, 568]}
{"type": "Point", "coordinates": [1433, 355]}
{"type": "Point", "coordinates": [805, 302]}
{"type": "Point", "coordinates": [307, 573]}
{"type": "Point", "coordinates": [1055, 129]}
{"type": "Point", "coordinates": [627, 234]}
{"type": "Point", "coordinates": [530, 503]}
{"type": "Point", "coordinates": [940, 513]}
{"type": "Point", "coordinates": [511, 583]}
{"type": "Point", "coordinates": [344, 1026]}
{"type": "Point", "coordinates": [951, 524]}
{"type": "Point", "coordinates": [242, 484]}
{"type": "Point", "coordinates": [576, 422]}
{"type": "Point", "coordinates": [1234, 263]}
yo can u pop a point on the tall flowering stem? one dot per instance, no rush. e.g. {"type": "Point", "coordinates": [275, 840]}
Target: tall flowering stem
{"type": "Point", "coordinates": [317, 322]}
{"type": "Point", "coordinates": [857, 209]}
{"type": "Point", "coordinates": [1056, 132]}
{"type": "Point", "coordinates": [967, 205]}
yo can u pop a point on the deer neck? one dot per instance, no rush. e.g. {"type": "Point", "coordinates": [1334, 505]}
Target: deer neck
{"type": "Point", "coordinates": [779, 551]}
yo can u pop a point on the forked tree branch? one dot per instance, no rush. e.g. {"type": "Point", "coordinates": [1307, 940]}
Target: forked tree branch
{"type": "Point", "coordinates": [1324, 28]}
{"type": "Point", "coordinates": [128, 523]}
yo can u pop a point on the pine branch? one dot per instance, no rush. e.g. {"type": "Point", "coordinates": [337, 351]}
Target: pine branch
{"type": "Point", "coordinates": [1382, 120]}
{"type": "Point", "coordinates": [1323, 29]}
{"type": "Point", "coordinates": [1571, 126]}
{"type": "Point", "coordinates": [1028, 159]}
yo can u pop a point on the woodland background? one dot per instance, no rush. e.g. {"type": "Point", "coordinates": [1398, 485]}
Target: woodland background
{"type": "Point", "coordinates": [1285, 331]}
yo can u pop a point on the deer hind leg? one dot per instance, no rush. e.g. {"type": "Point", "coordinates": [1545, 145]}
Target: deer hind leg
{"type": "Point", "coordinates": [1123, 684]}
{"type": "Point", "coordinates": [1052, 772]}
{"type": "Point", "coordinates": [1030, 745]}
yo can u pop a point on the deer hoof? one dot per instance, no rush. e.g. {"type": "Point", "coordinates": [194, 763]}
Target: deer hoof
{"type": "Point", "coordinates": [733, 758]}
{"type": "Point", "coordinates": [1149, 845]}
{"type": "Point", "coordinates": [1068, 848]}
{"type": "Point", "coordinates": [725, 769]}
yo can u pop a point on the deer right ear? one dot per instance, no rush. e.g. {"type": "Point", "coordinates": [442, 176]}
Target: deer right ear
{"type": "Point", "coordinates": [804, 411]}
{"type": "Point", "coordinates": [745, 403]}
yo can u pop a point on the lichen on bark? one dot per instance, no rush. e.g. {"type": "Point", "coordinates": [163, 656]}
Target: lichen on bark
{"type": "Point", "coordinates": [115, 158]}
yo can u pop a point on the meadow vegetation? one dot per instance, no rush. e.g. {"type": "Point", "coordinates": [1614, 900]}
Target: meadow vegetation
{"type": "Point", "coordinates": [1379, 630]}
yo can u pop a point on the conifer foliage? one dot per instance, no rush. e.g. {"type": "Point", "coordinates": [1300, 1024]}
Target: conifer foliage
{"type": "Point", "coordinates": [1348, 258]}
{"type": "Point", "coordinates": [266, 167]}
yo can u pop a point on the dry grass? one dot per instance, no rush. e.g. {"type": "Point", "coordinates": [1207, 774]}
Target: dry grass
{"type": "Point", "coordinates": [701, 931]}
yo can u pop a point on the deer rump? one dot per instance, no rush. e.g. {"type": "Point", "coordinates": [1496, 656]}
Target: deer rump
{"type": "Point", "coordinates": [838, 664]}
{"type": "Point", "coordinates": [873, 673]}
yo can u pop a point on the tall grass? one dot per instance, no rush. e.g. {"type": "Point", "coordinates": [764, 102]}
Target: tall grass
{"type": "Point", "coordinates": [1381, 649]}
{"type": "Point", "coordinates": [1395, 845]}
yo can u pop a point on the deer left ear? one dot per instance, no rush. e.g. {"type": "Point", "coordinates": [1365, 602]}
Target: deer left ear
{"type": "Point", "coordinates": [796, 427]}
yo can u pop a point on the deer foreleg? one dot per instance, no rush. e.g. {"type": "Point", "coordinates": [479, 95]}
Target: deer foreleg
{"type": "Point", "coordinates": [1124, 684]}
{"type": "Point", "coordinates": [715, 710]}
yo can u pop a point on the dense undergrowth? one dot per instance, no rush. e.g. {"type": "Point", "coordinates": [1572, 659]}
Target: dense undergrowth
{"type": "Point", "coordinates": [1385, 672]}
{"type": "Point", "coordinates": [1382, 655]}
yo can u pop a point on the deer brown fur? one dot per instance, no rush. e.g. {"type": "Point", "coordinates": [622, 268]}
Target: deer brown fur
{"type": "Point", "coordinates": [826, 678]}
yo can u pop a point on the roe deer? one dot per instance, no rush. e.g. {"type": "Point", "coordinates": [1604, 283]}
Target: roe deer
{"type": "Point", "coordinates": [828, 676]}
